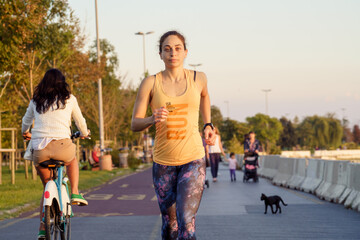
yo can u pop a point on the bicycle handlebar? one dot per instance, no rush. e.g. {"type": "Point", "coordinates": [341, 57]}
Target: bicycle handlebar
{"type": "Point", "coordinates": [78, 134]}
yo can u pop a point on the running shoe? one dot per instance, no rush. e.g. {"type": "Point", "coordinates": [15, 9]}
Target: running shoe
{"type": "Point", "coordinates": [78, 199]}
{"type": "Point", "coordinates": [41, 235]}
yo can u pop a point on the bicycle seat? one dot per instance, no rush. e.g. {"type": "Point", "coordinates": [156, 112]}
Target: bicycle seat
{"type": "Point", "coordinates": [52, 163]}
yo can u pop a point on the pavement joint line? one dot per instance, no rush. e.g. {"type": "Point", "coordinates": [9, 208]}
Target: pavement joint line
{"type": "Point", "coordinates": [19, 220]}
{"type": "Point", "coordinates": [303, 196]}
{"type": "Point", "coordinates": [80, 215]}
{"type": "Point", "coordinates": [155, 229]}
{"type": "Point", "coordinates": [125, 176]}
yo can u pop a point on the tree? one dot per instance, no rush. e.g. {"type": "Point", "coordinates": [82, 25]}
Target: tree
{"type": "Point", "coordinates": [288, 136]}
{"type": "Point", "coordinates": [356, 134]}
{"type": "Point", "coordinates": [267, 130]}
{"type": "Point", "coordinates": [320, 132]}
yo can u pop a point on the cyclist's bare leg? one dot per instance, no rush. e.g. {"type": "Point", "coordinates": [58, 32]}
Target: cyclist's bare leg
{"type": "Point", "coordinates": [72, 170]}
{"type": "Point", "coordinates": [44, 174]}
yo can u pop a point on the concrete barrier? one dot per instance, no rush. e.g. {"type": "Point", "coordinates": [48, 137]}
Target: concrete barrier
{"type": "Point", "coordinates": [314, 175]}
{"type": "Point", "coordinates": [334, 181]}
{"type": "Point", "coordinates": [353, 200]}
{"type": "Point", "coordinates": [296, 154]}
{"type": "Point", "coordinates": [270, 166]}
{"type": "Point", "coordinates": [299, 174]}
{"type": "Point", "coordinates": [285, 171]}
{"type": "Point", "coordinates": [348, 188]}
{"type": "Point", "coordinates": [340, 154]}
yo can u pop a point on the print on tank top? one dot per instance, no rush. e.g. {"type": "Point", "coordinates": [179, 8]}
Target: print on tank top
{"type": "Point", "coordinates": [176, 121]}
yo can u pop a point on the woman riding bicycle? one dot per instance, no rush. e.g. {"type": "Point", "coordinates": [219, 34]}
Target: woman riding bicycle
{"type": "Point", "coordinates": [52, 108]}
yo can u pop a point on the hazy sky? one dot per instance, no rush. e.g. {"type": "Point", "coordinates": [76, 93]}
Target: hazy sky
{"type": "Point", "coordinates": [306, 52]}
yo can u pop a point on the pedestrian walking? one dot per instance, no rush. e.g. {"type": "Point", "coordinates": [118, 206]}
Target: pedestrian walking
{"type": "Point", "coordinates": [232, 166]}
{"type": "Point", "coordinates": [176, 95]}
{"type": "Point", "coordinates": [215, 152]}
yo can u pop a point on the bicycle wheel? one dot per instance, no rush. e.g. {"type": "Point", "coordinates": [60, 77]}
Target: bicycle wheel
{"type": "Point", "coordinates": [65, 230]}
{"type": "Point", "coordinates": [51, 223]}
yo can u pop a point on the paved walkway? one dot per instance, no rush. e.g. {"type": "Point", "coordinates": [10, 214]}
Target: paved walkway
{"type": "Point", "coordinates": [125, 209]}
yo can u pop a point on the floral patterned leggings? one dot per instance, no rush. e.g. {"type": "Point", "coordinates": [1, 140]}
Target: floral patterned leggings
{"type": "Point", "coordinates": [179, 190]}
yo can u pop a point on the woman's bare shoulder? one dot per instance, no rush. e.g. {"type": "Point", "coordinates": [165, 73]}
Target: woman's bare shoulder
{"type": "Point", "coordinates": [147, 83]}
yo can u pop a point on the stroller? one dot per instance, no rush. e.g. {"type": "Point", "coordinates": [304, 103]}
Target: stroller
{"type": "Point", "coordinates": [250, 166]}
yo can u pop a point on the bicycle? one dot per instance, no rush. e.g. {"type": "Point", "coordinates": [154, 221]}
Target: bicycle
{"type": "Point", "coordinates": [56, 213]}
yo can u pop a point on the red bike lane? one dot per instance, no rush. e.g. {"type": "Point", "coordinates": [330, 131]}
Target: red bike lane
{"type": "Point", "coordinates": [131, 195]}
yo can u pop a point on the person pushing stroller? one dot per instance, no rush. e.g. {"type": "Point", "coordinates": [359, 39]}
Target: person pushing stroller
{"type": "Point", "coordinates": [251, 153]}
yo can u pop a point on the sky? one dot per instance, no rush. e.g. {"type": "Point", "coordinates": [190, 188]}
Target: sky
{"type": "Point", "coordinates": [306, 52]}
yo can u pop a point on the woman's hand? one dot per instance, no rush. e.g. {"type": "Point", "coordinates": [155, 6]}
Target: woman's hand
{"type": "Point", "coordinates": [209, 135]}
{"type": "Point", "coordinates": [87, 136]}
{"type": "Point", "coordinates": [160, 115]}
{"type": "Point", "coordinates": [27, 135]}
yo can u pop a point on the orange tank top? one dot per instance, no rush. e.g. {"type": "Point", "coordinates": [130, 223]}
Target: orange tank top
{"type": "Point", "coordinates": [177, 140]}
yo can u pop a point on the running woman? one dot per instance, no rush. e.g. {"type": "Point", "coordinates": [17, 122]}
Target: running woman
{"type": "Point", "coordinates": [176, 95]}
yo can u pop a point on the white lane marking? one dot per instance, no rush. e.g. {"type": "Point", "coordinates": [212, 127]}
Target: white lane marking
{"type": "Point", "coordinates": [132, 197]}
{"type": "Point", "coordinates": [99, 196]}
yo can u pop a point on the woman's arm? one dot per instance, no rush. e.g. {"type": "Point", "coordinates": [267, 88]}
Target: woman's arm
{"type": "Point", "coordinates": [27, 120]}
{"type": "Point", "coordinates": [139, 121]}
{"type": "Point", "coordinates": [205, 108]}
{"type": "Point", "coordinates": [221, 147]}
{"type": "Point", "coordinates": [207, 151]}
{"type": "Point", "coordinates": [79, 119]}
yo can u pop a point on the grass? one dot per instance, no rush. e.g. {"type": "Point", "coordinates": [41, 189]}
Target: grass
{"type": "Point", "coordinates": [26, 193]}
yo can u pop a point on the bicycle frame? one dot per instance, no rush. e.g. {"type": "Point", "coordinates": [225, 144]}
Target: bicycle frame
{"type": "Point", "coordinates": [57, 189]}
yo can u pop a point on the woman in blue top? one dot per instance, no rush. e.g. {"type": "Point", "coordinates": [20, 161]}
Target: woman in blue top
{"type": "Point", "coordinates": [252, 145]}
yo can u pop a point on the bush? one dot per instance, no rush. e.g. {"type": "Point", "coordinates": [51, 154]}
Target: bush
{"type": "Point", "coordinates": [115, 157]}
{"type": "Point", "coordinates": [133, 162]}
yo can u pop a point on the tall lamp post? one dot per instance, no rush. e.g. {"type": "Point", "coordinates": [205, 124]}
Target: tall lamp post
{"type": "Point", "coordinates": [146, 150]}
{"type": "Point", "coordinates": [266, 100]}
{"type": "Point", "coordinates": [195, 65]}
{"type": "Point", "coordinates": [144, 34]}
{"type": "Point", "coordinates": [101, 119]}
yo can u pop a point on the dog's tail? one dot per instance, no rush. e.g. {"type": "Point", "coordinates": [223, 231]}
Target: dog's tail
{"type": "Point", "coordinates": [283, 202]}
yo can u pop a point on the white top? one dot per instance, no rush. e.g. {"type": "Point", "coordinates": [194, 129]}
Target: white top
{"type": "Point", "coordinates": [232, 163]}
{"type": "Point", "coordinates": [216, 147]}
{"type": "Point", "coordinates": [53, 124]}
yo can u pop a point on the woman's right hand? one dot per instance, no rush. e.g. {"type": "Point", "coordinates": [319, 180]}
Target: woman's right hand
{"type": "Point", "coordinates": [27, 135]}
{"type": "Point", "coordinates": [160, 115]}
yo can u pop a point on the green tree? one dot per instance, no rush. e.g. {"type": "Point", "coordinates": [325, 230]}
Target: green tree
{"type": "Point", "coordinates": [288, 137]}
{"type": "Point", "coordinates": [320, 132]}
{"type": "Point", "coordinates": [356, 134]}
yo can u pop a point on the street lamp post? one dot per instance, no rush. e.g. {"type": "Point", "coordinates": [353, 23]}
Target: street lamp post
{"type": "Point", "coordinates": [101, 119]}
{"type": "Point", "coordinates": [266, 100]}
{"type": "Point", "coordinates": [146, 150]}
{"type": "Point", "coordinates": [143, 34]}
{"type": "Point", "coordinates": [195, 65]}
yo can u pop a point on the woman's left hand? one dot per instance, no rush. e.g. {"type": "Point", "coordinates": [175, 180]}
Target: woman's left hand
{"type": "Point", "coordinates": [209, 135]}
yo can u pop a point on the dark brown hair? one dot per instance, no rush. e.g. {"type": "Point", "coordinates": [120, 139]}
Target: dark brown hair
{"type": "Point", "coordinates": [52, 89]}
{"type": "Point", "coordinates": [169, 33]}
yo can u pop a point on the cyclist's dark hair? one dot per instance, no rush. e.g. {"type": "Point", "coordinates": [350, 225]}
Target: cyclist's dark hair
{"type": "Point", "coordinates": [232, 154]}
{"type": "Point", "coordinates": [169, 33]}
{"type": "Point", "coordinates": [52, 88]}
